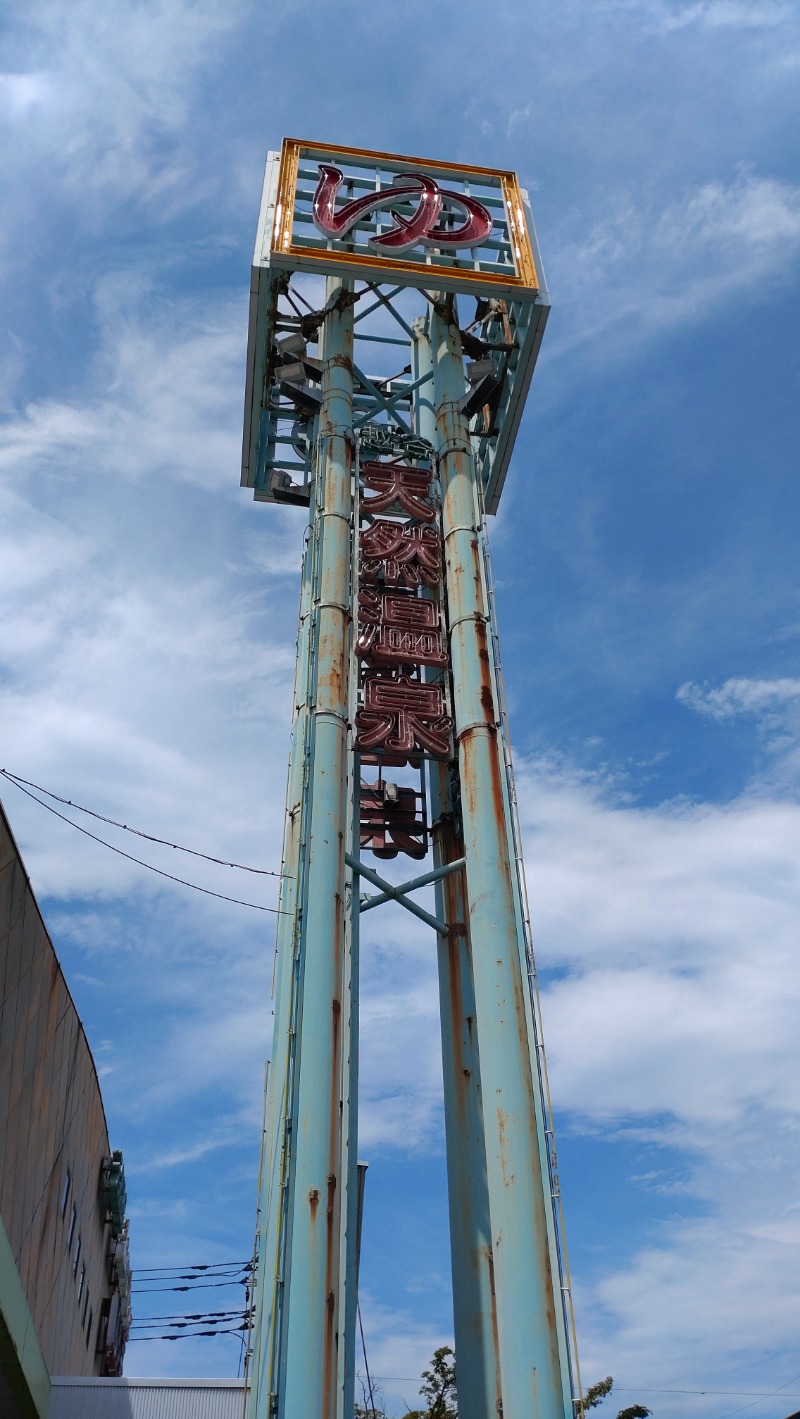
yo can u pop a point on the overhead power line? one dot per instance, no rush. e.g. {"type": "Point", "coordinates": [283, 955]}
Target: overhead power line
{"type": "Point", "coordinates": [149, 837]}
{"type": "Point", "coordinates": [211, 1319]}
{"type": "Point", "coordinates": [646, 1389]}
{"type": "Point", "coordinates": [254, 906]}
{"type": "Point", "coordinates": [179, 1318]}
{"type": "Point", "coordinates": [190, 1334]}
{"type": "Point", "coordinates": [199, 1286]}
{"type": "Point", "coordinates": [190, 1274]}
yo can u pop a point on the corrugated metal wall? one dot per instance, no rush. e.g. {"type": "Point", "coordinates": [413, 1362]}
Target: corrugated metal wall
{"type": "Point", "coordinates": [53, 1129]}
{"type": "Point", "coordinates": [147, 1399]}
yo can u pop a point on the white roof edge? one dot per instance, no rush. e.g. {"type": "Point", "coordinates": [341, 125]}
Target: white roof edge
{"type": "Point", "coordinates": [97, 1381]}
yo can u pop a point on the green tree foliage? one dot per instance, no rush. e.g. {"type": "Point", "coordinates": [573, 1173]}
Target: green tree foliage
{"type": "Point", "coordinates": [595, 1395]}
{"type": "Point", "coordinates": [439, 1386]}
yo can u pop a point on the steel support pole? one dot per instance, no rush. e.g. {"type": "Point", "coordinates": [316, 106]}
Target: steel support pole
{"type": "Point", "coordinates": [531, 1376]}
{"type": "Point", "coordinates": [314, 1303]}
{"type": "Point", "coordinates": [474, 1320]}
{"type": "Point", "coordinates": [351, 1169]}
{"type": "Point", "coordinates": [273, 1181]}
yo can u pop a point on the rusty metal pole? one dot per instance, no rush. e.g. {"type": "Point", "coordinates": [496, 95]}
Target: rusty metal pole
{"type": "Point", "coordinates": [304, 1382]}
{"type": "Point", "coordinates": [528, 1310]}
{"type": "Point", "coordinates": [272, 1182]}
{"type": "Point", "coordinates": [474, 1320]}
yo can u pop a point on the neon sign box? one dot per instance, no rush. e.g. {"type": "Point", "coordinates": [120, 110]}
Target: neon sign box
{"type": "Point", "coordinates": [398, 222]}
{"type": "Point", "coordinates": [499, 258]}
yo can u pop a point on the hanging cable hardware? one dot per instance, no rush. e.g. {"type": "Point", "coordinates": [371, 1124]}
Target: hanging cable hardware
{"type": "Point", "coordinates": [207, 892]}
{"type": "Point", "coordinates": [149, 837]}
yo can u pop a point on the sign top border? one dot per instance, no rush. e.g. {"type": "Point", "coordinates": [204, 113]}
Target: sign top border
{"type": "Point", "coordinates": [429, 163]}
{"type": "Point", "coordinates": [522, 281]}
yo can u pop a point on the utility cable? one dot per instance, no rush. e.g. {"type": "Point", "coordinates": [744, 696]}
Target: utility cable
{"type": "Point", "coordinates": [149, 837]}
{"type": "Point", "coordinates": [189, 1273]}
{"type": "Point", "coordinates": [649, 1389]}
{"type": "Point", "coordinates": [780, 1389]}
{"type": "Point", "coordinates": [366, 1365]}
{"type": "Point", "coordinates": [201, 1286]}
{"type": "Point", "coordinates": [213, 1318]}
{"type": "Point", "coordinates": [179, 1269]}
{"type": "Point", "coordinates": [168, 1280]}
{"type": "Point", "coordinates": [191, 1335]}
{"type": "Point", "coordinates": [254, 906]}
{"type": "Point", "coordinates": [170, 1316]}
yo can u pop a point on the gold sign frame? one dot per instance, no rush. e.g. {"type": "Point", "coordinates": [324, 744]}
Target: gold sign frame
{"type": "Point", "coordinates": [285, 251]}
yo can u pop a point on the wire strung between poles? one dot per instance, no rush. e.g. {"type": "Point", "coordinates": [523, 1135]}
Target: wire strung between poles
{"type": "Point", "coordinates": [149, 837]}
{"type": "Point", "coordinates": [274, 911]}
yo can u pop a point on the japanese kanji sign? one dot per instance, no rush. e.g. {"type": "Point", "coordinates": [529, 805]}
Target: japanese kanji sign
{"type": "Point", "coordinates": [401, 554]}
{"type": "Point", "coordinates": [404, 717]}
{"type": "Point", "coordinates": [397, 487]}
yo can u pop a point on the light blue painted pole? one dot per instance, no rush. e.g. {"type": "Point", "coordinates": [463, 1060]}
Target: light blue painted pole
{"type": "Point", "coordinates": [314, 1305]}
{"type": "Point", "coordinates": [477, 1360]}
{"type": "Point", "coordinates": [274, 1172]}
{"type": "Point", "coordinates": [526, 1282]}
{"type": "Point", "coordinates": [351, 1233]}
{"type": "Point", "coordinates": [528, 968]}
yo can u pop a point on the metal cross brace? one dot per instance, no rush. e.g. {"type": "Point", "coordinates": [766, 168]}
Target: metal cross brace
{"type": "Point", "coordinates": [388, 893]}
{"type": "Point", "coordinates": [386, 401]}
{"type": "Point", "coordinates": [380, 401]}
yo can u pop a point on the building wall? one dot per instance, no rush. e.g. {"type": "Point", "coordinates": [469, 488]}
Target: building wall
{"type": "Point", "coordinates": [53, 1134]}
{"type": "Point", "coordinates": [147, 1399]}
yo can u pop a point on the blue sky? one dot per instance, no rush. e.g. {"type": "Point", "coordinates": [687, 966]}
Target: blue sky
{"type": "Point", "coordinates": [645, 560]}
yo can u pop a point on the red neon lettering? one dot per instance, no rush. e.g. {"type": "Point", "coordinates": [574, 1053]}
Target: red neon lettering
{"type": "Point", "coordinates": [396, 485]}
{"type": "Point", "coordinates": [405, 556]}
{"type": "Point", "coordinates": [422, 227]}
{"type": "Point", "coordinates": [403, 716]}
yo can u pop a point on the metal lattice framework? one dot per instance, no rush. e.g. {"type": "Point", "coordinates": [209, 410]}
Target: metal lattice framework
{"type": "Point", "coordinates": [360, 408]}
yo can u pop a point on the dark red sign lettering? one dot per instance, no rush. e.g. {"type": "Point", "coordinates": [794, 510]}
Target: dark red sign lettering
{"type": "Point", "coordinates": [402, 717]}
{"type": "Point", "coordinates": [398, 486]}
{"type": "Point", "coordinates": [423, 227]}
{"type": "Point", "coordinates": [401, 555]}
{"type": "Point", "coordinates": [399, 629]}
{"type": "Point", "coordinates": [389, 821]}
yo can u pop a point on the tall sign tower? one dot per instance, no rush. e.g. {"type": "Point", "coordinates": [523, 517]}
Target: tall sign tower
{"type": "Point", "coordinates": [396, 311]}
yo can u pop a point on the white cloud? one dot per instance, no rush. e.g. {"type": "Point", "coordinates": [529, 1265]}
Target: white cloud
{"type": "Point", "coordinates": [671, 1018]}
{"type": "Point", "coordinates": [401, 1073]}
{"type": "Point", "coordinates": [774, 705]}
{"type": "Point", "coordinates": [677, 929]}
{"type": "Point", "coordinates": [740, 696]}
{"type": "Point", "coordinates": [165, 395]}
{"type": "Point", "coordinates": [110, 95]}
{"type": "Point", "coordinates": [694, 1313]}
{"type": "Point", "coordinates": [20, 92]}
{"type": "Point", "coordinates": [649, 267]}
{"type": "Point", "coordinates": [134, 609]}
{"type": "Point", "coordinates": [723, 14]}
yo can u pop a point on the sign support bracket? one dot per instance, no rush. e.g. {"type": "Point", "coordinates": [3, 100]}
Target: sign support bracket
{"type": "Point", "coordinates": [388, 893]}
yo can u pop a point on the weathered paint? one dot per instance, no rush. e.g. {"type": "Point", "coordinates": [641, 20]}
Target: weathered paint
{"type": "Point", "coordinates": [474, 1318]}
{"type": "Point", "coordinates": [528, 1317]}
{"type": "Point", "coordinates": [310, 1274]}
{"type": "Point", "coordinates": [352, 1174]}
{"type": "Point", "coordinates": [544, 1121]}
{"type": "Point", "coordinates": [273, 1198]}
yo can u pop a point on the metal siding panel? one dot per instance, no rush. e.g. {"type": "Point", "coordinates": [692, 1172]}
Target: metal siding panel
{"type": "Point", "coordinates": [109, 1399]}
